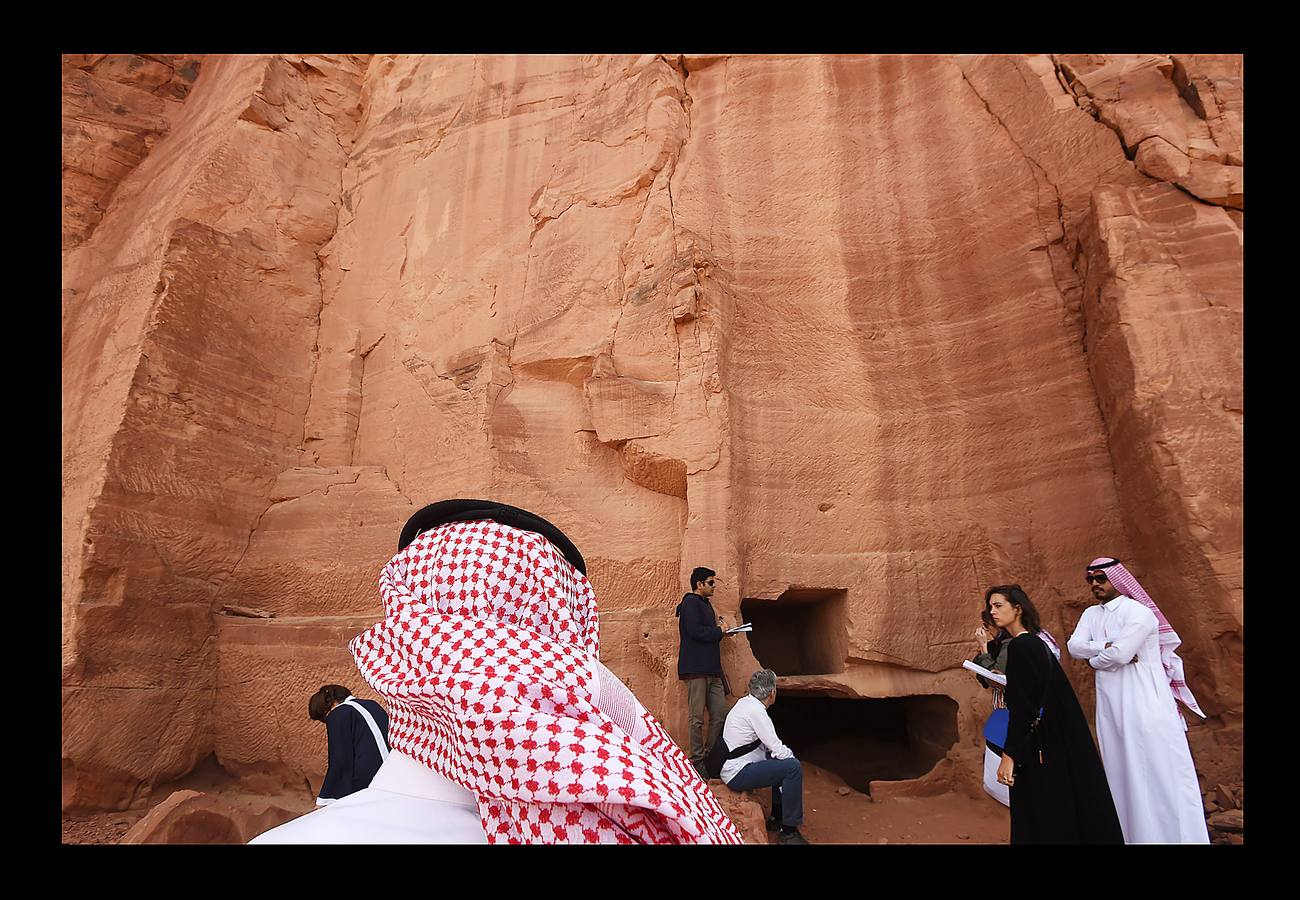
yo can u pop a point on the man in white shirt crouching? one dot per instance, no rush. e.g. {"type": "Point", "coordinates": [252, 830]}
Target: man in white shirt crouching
{"type": "Point", "coordinates": [769, 763]}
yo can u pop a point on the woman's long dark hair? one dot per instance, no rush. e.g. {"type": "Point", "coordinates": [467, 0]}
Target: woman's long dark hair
{"type": "Point", "coordinates": [323, 700]}
{"type": "Point", "coordinates": [1016, 595]}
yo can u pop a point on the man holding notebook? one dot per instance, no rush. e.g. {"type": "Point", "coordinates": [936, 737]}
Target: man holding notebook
{"type": "Point", "coordinates": [699, 664]}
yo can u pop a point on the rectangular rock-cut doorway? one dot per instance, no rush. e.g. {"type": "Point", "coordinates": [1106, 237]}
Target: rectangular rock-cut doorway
{"type": "Point", "coordinates": [802, 632]}
{"type": "Point", "coordinates": [866, 739]}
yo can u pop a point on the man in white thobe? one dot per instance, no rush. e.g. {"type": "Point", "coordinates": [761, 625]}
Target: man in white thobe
{"type": "Point", "coordinates": [406, 803]}
{"type": "Point", "coordinates": [1141, 732]}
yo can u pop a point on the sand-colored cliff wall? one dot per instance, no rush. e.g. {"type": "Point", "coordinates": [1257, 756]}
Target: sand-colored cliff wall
{"type": "Point", "coordinates": [864, 334]}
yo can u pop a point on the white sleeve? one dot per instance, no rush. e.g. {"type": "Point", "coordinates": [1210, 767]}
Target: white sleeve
{"type": "Point", "coordinates": [765, 731]}
{"type": "Point", "coordinates": [1081, 644]}
{"type": "Point", "coordinates": [1127, 643]}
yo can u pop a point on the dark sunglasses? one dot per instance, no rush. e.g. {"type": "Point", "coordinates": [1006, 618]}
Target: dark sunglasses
{"type": "Point", "coordinates": [709, 582]}
{"type": "Point", "coordinates": [1098, 578]}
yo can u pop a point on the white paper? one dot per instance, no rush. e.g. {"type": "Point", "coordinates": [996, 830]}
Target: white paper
{"type": "Point", "coordinates": [739, 628]}
{"type": "Point", "coordinates": [980, 670]}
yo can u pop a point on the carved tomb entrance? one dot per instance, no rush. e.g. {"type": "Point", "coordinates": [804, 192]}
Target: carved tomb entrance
{"type": "Point", "coordinates": [867, 739]}
{"type": "Point", "coordinates": [803, 633]}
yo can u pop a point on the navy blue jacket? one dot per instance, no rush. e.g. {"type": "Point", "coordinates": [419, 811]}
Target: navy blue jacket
{"type": "Point", "coordinates": [353, 754]}
{"type": "Point", "coordinates": [700, 652]}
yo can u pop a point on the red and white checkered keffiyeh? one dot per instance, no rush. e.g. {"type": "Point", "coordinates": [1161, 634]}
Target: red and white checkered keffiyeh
{"type": "Point", "coordinates": [487, 658]}
{"type": "Point", "coordinates": [1169, 639]}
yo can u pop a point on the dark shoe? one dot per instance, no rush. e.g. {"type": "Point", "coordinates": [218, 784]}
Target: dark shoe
{"type": "Point", "coordinates": [791, 837]}
{"type": "Point", "coordinates": [773, 823]}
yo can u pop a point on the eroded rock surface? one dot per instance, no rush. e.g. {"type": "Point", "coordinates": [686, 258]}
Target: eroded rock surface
{"type": "Point", "coordinates": [188, 333]}
{"type": "Point", "coordinates": [744, 810]}
{"type": "Point", "coordinates": [1178, 117]}
{"type": "Point", "coordinates": [192, 817]}
{"type": "Point", "coordinates": [115, 109]}
{"type": "Point", "coordinates": [864, 334]}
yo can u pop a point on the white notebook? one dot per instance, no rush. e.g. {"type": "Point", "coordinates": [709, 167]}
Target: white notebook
{"type": "Point", "coordinates": [990, 675]}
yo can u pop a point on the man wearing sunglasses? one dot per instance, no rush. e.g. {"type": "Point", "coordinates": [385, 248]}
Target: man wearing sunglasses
{"type": "Point", "coordinates": [699, 664]}
{"type": "Point", "coordinates": [1148, 763]}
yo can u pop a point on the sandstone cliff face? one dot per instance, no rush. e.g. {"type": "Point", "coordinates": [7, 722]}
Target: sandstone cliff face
{"type": "Point", "coordinates": [865, 335]}
{"type": "Point", "coordinates": [115, 109]}
{"type": "Point", "coordinates": [188, 328]}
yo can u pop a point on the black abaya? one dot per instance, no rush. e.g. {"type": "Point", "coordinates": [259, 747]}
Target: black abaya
{"type": "Point", "coordinates": [1061, 797]}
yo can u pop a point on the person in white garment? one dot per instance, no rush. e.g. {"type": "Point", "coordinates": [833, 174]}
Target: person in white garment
{"type": "Point", "coordinates": [1140, 730]}
{"type": "Point", "coordinates": [406, 803]}
{"type": "Point", "coordinates": [505, 727]}
{"type": "Point", "coordinates": [755, 757]}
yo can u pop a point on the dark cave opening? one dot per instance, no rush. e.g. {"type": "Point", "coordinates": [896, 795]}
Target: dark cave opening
{"type": "Point", "coordinates": [802, 632]}
{"type": "Point", "coordinates": [865, 740]}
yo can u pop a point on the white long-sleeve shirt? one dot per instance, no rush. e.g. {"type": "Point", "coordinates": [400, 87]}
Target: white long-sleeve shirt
{"type": "Point", "coordinates": [1130, 624]}
{"type": "Point", "coordinates": [749, 721]}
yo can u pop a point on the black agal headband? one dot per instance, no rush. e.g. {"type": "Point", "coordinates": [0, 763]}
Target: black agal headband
{"type": "Point", "coordinates": [444, 511]}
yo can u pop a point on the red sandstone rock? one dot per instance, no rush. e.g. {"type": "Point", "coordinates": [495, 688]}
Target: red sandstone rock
{"type": "Point", "coordinates": [863, 361]}
{"type": "Point", "coordinates": [1163, 303]}
{"type": "Point", "coordinates": [1178, 117]}
{"type": "Point", "coordinates": [115, 109]}
{"type": "Point", "coordinates": [1230, 820]}
{"type": "Point", "coordinates": [272, 667]}
{"type": "Point", "coordinates": [246, 612]}
{"type": "Point", "coordinates": [191, 817]}
{"type": "Point", "coordinates": [938, 780]}
{"type": "Point", "coordinates": [1213, 183]}
{"type": "Point", "coordinates": [186, 376]}
{"type": "Point", "coordinates": [1161, 159]}
{"type": "Point", "coordinates": [744, 810]}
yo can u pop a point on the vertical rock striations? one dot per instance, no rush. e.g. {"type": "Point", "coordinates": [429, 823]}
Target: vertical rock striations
{"type": "Point", "coordinates": [1164, 304]}
{"type": "Point", "coordinates": [188, 328]}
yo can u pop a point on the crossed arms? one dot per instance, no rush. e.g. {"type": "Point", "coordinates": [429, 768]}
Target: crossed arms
{"type": "Point", "coordinates": [1119, 651]}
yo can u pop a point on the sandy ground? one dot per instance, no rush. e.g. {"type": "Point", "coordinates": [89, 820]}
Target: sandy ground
{"type": "Point", "coordinates": [854, 818]}
{"type": "Point", "coordinates": [833, 812]}
{"type": "Point", "coordinates": [100, 828]}
{"type": "Point", "coordinates": [829, 817]}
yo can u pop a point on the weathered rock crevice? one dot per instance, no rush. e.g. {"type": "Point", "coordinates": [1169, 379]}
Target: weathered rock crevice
{"type": "Point", "coordinates": [1068, 294]}
{"type": "Point", "coordinates": [1167, 122]}
{"type": "Point", "coordinates": [322, 252]}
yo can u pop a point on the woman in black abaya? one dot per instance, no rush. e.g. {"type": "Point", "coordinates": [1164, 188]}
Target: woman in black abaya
{"type": "Point", "coordinates": [1059, 793]}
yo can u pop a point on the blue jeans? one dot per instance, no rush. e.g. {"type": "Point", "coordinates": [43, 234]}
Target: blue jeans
{"type": "Point", "coordinates": [785, 777]}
